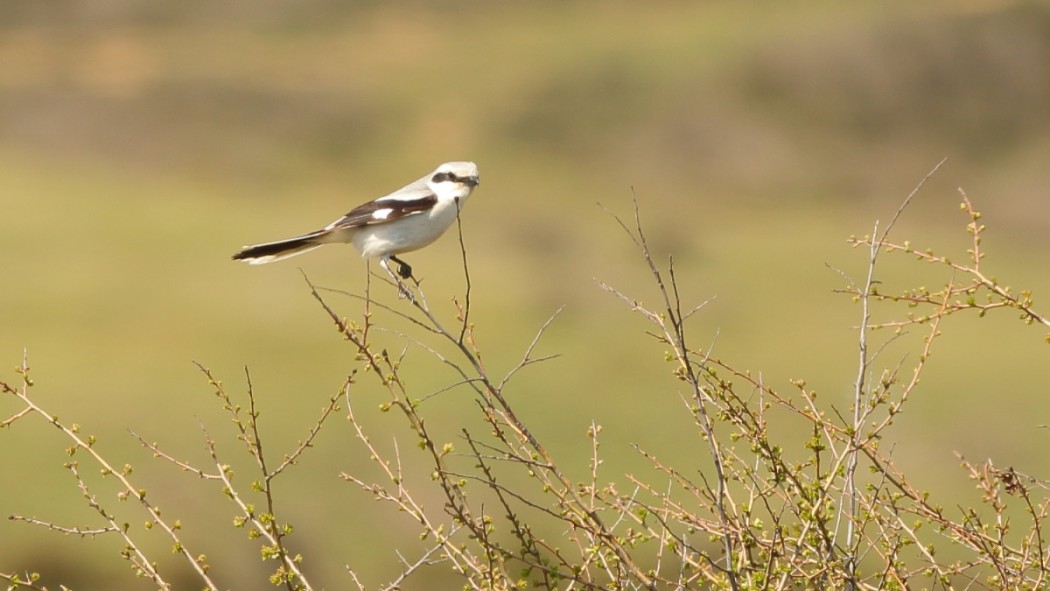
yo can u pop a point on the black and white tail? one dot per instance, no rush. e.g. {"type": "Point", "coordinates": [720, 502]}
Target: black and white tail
{"type": "Point", "coordinates": [269, 252]}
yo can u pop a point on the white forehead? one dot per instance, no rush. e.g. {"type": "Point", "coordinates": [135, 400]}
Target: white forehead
{"type": "Point", "coordinates": [460, 169]}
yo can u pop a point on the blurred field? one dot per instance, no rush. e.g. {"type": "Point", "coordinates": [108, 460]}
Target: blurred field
{"type": "Point", "coordinates": [141, 145]}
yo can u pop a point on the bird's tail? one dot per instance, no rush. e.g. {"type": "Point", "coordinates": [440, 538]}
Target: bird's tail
{"type": "Point", "coordinates": [269, 252]}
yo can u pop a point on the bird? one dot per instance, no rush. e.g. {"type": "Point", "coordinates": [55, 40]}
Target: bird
{"type": "Point", "coordinates": [408, 219]}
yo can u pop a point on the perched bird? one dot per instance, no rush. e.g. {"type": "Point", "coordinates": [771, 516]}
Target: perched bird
{"type": "Point", "coordinates": [407, 219]}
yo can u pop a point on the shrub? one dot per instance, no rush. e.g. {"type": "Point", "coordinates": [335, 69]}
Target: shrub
{"type": "Point", "coordinates": [837, 515]}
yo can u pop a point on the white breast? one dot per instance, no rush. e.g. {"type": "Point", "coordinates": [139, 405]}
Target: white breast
{"type": "Point", "coordinates": [406, 234]}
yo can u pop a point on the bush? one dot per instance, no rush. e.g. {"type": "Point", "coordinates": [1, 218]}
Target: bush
{"type": "Point", "coordinates": [751, 515]}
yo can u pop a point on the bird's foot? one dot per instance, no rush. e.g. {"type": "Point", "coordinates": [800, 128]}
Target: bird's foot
{"type": "Point", "coordinates": [403, 268]}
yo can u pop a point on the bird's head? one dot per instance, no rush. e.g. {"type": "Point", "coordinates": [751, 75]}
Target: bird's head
{"type": "Point", "coordinates": [458, 178]}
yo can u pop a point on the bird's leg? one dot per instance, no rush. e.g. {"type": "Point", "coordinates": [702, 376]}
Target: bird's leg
{"type": "Point", "coordinates": [403, 268]}
{"type": "Point", "coordinates": [402, 289]}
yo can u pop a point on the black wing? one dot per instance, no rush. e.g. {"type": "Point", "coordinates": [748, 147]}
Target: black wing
{"type": "Point", "coordinates": [382, 211]}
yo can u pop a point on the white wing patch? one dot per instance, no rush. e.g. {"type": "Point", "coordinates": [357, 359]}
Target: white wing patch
{"type": "Point", "coordinates": [384, 210]}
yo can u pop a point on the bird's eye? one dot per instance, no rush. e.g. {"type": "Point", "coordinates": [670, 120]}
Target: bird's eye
{"type": "Point", "coordinates": [443, 176]}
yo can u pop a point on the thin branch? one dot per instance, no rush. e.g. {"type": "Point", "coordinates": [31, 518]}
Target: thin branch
{"type": "Point", "coordinates": [528, 359]}
{"type": "Point", "coordinates": [129, 490]}
{"type": "Point", "coordinates": [465, 319]}
{"type": "Point", "coordinates": [183, 465]}
{"type": "Point", "coordinates": [83, 532]}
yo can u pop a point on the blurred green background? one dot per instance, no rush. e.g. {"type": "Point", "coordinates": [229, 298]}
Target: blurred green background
{"type": "Point", "coordinates": [141, 144]}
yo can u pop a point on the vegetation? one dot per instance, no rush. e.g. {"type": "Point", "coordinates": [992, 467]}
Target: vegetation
{"type": "Point", "coordinates": [494, 506]}
{"type": "Point", "coordinates": [143, 144]}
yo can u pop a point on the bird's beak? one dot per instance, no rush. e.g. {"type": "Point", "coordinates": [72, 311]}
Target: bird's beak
{"type": "Point", "coordinates": [473, 181]}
